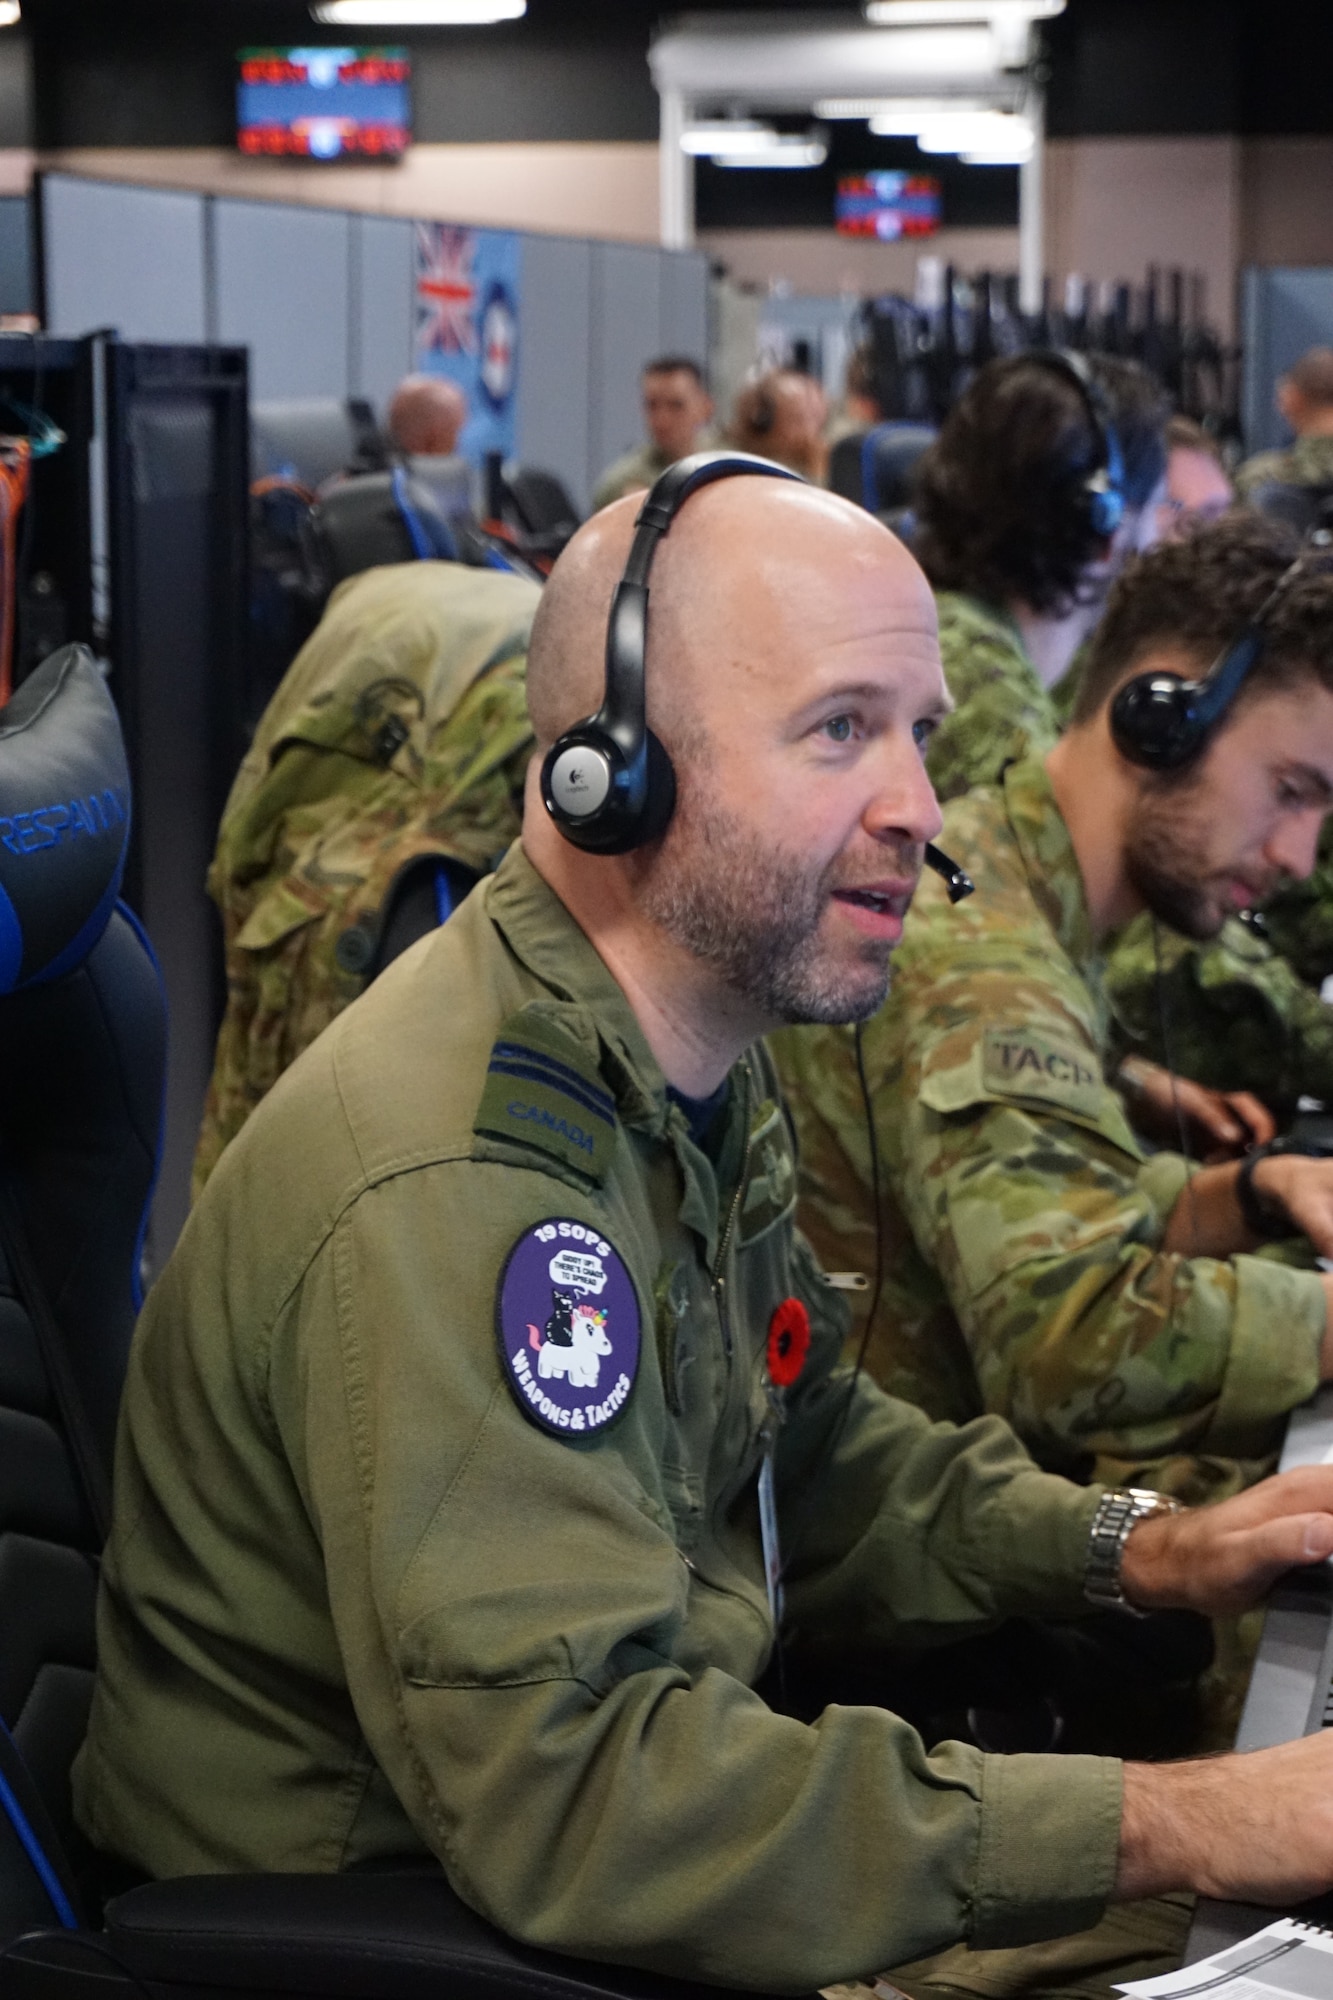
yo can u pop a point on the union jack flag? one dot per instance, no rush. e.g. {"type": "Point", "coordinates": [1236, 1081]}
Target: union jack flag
{"type": "Point", "coordinates": [446, 292]}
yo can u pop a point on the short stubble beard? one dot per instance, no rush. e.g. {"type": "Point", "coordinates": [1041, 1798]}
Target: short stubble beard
{"type": "Point", "coordinates": [1158, 852]}
{"type": "Point", "coordinates": [751, 913]}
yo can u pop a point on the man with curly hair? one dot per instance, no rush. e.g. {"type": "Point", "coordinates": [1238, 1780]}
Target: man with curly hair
{"type": "Point", "coordinates": [1019, 557]}
{"type": "Point", "coordinates": [1038, 1264]}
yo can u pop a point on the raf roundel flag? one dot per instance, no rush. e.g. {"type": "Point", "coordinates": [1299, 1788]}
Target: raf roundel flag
{"type": "Point", "coordinates": [467, 325]}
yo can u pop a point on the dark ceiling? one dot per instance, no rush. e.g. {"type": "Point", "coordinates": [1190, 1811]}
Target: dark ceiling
{"type": "Point", "coordinates": [161, 73]}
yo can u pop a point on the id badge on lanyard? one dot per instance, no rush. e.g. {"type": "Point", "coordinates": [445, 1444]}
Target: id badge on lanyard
{"type": "Point", "coordinates": [768, 1529]}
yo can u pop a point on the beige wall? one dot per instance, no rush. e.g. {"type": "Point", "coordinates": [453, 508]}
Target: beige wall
{"type": "Point", "coordinates": [1286, 201]}
{"type": "Point", "coordinates": [573, 190]}
{"type": "Point", "coordinates": [1115, 206]}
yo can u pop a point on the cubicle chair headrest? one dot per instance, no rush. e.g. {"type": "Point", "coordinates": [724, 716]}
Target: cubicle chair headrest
{"type": "Point", "coordinates": [64, 819]}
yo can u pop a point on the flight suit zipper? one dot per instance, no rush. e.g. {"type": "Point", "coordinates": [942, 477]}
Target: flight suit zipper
{"type": "Point", "coordinates": [720, 1268]}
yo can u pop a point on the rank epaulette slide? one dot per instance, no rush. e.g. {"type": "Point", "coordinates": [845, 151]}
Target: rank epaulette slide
{"type": "Point", "coordinates": [543, 1091]}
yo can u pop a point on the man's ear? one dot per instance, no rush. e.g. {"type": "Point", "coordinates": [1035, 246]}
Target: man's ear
{"type": "Point", "coordinates": [1289, 402]}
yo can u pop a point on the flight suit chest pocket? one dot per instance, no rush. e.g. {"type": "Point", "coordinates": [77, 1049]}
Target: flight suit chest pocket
{"type": "Point", "coordinates": [768, 1189]}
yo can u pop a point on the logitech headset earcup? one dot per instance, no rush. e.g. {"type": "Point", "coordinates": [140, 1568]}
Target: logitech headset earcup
{"type": "Point", "coordinates": [608, 783]}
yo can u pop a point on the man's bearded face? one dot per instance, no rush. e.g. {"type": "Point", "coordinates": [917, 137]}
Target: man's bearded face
{"type": "Point", "coordinates": [761, 917]}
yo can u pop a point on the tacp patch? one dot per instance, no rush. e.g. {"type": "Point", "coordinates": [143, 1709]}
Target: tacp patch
{"type": "Point", "coordinates": [1025, 1063]}
{"type": "Point", "coordinates": [540, 1092]}
{"type": "Point", "coordinates": [568, 1328]}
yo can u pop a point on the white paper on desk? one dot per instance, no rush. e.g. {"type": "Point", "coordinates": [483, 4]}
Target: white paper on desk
{"type": "Point", "coordinates": [1284, 1961]}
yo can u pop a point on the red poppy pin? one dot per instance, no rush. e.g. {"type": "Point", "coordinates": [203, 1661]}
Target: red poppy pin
{"type": "Point", "coordinates": [788, 1343]}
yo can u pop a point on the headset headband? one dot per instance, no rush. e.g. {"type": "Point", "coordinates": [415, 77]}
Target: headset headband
{"type": "Point", "coordinates": [608, 783]}
{"type": "Point", "coordinates": [1104, 488]}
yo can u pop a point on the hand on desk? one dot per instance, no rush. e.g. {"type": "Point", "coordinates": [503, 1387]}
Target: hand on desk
{"type": "Point", "coordinates": [1254, 1828]}
{"type": "Point", "coordinates": [1226, 1558]}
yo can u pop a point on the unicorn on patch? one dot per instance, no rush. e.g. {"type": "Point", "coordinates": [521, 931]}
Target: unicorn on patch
{"type": "Point", "coordinates": [574, 1342]}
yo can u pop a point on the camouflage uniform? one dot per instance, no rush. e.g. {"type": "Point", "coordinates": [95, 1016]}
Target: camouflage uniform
{"type": "Point", "coordinates": [1308, 462]}
{"type": "Point", "coordinates": [1229, 1014]}
{"type": "Point", "coordinates": [1001, 711]}
{"type": "Point", "coordinates": [1021, 1220]}
{"type": "Point", "coordinates": [636, 468]}
{"type": "Point", "coordinates": [400, 730]}
{"type": "Point", "coordinates": [1299, 919]}
{"type": "Point", "coordinates": [1237, 1018]}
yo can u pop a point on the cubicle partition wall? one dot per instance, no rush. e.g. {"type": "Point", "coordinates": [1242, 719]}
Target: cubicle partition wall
{"type": "Point", "coordinates": [176, 453]}
{"type": "Point", "coordinates": [324, 300]}
{"type": "Point", "coordinates": [1283, 312]}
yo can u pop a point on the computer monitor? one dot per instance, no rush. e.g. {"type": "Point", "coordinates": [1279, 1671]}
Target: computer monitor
{"type": "Point", "coordinates": [324, 104]}
{"type": "Point", "coordinates": [887, 206]}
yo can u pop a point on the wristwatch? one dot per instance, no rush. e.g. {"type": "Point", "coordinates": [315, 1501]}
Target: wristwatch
{"type": "Point", "coordinates": [1117, 1512]}
{"type": "Point", "coordinates": [1264, 1218]}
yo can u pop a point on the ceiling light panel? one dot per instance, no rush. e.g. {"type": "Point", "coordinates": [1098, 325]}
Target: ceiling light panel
{"type": "Point", "coordinates": [733, 136]}
{"type": "Point", "coordinates": [10, 13]}
{"type": "Point", "coordinates": [794, 152]}
{"type": "Point", "coordinates": [952, 13]}
{"type": "Point", "coordinates": [1004, 139]}
{"type": "Point", "coordinates": [416, 13]}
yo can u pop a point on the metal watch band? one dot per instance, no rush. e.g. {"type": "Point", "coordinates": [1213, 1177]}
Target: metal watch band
{"type": "Point", "coordinates": [1117, 1512]}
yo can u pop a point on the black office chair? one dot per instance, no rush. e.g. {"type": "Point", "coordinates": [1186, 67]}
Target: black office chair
{"type": "Point", "coordinates": [875, 467]}
{"type": "Point", "coordinates": [81, 1067]}
{"type": "Point", "coordinates": [378, 518]}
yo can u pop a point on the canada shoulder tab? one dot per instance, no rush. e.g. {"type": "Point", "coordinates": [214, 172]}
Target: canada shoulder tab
{"type": "Point", "coordinates": [544, 1091]}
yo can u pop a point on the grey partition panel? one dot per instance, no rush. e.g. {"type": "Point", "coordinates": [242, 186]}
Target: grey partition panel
{"type": "Point", "coordinates": [626, 332]}
{"type": "Point", "coordinates": [381, 328]}
{"type": "Point", "coordinates": [684, 324]}
{"type": "Point", "coordinates": [127, 257]}
{"type": "Point", "coordinates": [282, 288]}
{"type": "Point", "coordinates": [16, 275]}
{"type": "Point", "coordinates": [1284, 313]}
{"type": "Point", "coordinates": [554, 340]}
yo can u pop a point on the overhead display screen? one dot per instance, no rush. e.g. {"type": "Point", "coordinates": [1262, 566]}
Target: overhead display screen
{"type": "Point", "coordinates": [887, 205]}
{"type": "Point", "coordinates": [324, 104]}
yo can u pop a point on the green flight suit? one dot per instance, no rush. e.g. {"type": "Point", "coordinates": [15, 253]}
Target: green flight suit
{"type": "Point", "coordinates": [1236, 1017]}
{"type": "Point", "coordinates": [1021, 1221]}
{"type": "Point", "coordinates": [355, 1603]}
{"type": "Point", "coordinates": [399, 731]}
{"type": "Point", "coordinates": [1307, 462]}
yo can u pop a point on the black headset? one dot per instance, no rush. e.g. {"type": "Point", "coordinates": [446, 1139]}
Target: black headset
{"type": "Point", "coordinates": [608, 783]}
{"type": "Point", "coordinates": [1102, 491]}
{"type": "Point", "coordinates": [1163, 721]}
